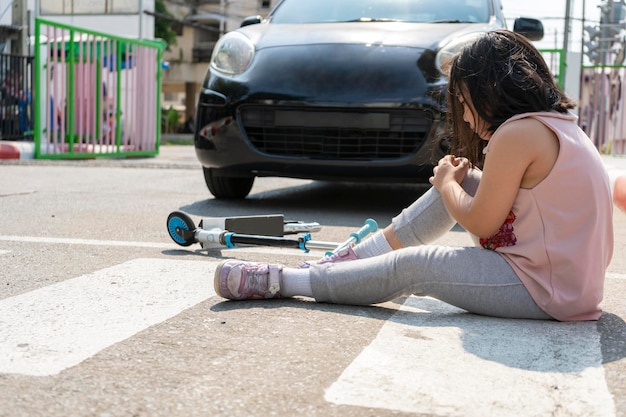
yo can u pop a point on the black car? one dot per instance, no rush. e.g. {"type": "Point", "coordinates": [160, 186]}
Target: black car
{"type": "Point", "coordinates": [349, 90]}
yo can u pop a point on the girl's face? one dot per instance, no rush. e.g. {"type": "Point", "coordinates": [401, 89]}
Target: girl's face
{"type": "Point", "coordinates": [471, 118]}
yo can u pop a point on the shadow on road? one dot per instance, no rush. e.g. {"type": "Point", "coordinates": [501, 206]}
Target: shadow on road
{"type": "Point", "coordinates": [330, 203]}
{"type": "Point", "coordinates": [510, 342]}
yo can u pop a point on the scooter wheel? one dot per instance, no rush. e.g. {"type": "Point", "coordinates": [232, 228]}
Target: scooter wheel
{"type": "Point", "coordinates": [177, 222]}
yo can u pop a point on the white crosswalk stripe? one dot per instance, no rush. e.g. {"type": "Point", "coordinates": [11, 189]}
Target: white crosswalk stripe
{"type": "Point", "coordinates": [52, 328]}
{"type": "Point", "coordinates": [434, 358]}
{"type": "Point", "coordinates": [428, 357]}
{"type": "Point", "coordinates": [313, 254]}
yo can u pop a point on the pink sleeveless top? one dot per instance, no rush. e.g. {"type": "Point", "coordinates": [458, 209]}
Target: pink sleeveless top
{"type": "Point", "coordinates": [559, 235]}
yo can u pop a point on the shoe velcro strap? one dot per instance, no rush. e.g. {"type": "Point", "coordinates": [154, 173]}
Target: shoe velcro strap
{"type": "Point", "coordinates": [274, 281]}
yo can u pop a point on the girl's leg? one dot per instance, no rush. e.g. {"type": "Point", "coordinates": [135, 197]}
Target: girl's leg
{"type": "Point", "coordinates": [424, 221]}
{"type": "Point", "coordinates": [474, 279]}
{"type": "Point", "coordinates": [427, 219]}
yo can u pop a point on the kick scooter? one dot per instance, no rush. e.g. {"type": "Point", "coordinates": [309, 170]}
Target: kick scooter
{"type": "Point", "coordinates": [255, 230]}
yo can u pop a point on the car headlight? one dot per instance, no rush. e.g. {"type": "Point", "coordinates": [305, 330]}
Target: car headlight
{"type": "Point", "coordinates": [233, 53]}
{"type": "Point", "coordinates": [450, 49]}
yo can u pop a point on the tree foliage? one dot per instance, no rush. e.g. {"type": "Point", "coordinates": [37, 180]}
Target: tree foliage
{"type": "Point", "coordinates": [163, 27]}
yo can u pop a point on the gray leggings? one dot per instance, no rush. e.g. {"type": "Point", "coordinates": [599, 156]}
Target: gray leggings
{"type": "Point", "coordinates": [474, 279]}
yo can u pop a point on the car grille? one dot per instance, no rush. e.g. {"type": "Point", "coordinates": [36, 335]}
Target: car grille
{"type": "Point", "coordinates": [335, 134]}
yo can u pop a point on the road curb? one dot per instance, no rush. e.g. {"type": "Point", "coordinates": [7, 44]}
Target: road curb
{"type": "Point", "coordinates": [17, 150]}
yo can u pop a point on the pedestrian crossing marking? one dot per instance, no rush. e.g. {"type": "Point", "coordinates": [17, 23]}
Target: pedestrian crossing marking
{"type": "Point", "coordinates": [435, 359]}
{"type": "Point", "coordinates": [615, 275]}
{"type": "Point", "coordinates": [50, 329]}
{"type": "Point", "coordinates": [429, 357]}
{"type": "Point", "coordinates": [313, 254]}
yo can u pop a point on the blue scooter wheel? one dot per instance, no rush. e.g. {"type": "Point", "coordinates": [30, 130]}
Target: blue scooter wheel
{"type": "Point", "coordinates": [181, 228]}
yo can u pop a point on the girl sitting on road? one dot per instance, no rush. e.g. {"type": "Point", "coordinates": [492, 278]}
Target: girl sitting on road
{"type": "Point", "coordinates": [540, 209]}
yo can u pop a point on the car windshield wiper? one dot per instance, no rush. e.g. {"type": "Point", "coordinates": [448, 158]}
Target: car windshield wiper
{"type": "Point", "coordinates": [372, 19]}
{"type": "Point", "coordinates": [451, 21]}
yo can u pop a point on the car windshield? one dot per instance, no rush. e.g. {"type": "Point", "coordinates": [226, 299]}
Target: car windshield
{"type": "Point", "coordinates": [422, 11]}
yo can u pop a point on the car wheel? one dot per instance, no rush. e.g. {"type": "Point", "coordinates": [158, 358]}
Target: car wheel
{"type": "Point", "coordinates": [223, 186]}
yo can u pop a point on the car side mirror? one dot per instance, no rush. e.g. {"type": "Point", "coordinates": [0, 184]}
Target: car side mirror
{"type": "Point", "coordinates": [251, 20]}
{"type": "Point", "coordinates": [531, 28]}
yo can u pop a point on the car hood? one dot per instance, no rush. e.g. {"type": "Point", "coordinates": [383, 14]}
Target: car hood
{"type": "Point", "coordinates": [421, 35]}
{"type": "Point", "coordinates": [339, 63]}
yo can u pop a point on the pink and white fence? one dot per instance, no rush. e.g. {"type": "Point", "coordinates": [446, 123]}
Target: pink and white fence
{"type": "Point", "coordinates": [602, 108]}
{"type": "Point", "coordinates": [97, 95]}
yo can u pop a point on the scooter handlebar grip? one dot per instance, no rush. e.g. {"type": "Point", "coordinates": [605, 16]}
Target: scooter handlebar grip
{"type": "Point", "coordinates": [370, 227]}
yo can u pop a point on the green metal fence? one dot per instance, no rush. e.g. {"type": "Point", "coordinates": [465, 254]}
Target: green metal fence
{"type": "Point", "coordinates": [97, 95]}
{"type": "Point", "coordinates": [555, 58]}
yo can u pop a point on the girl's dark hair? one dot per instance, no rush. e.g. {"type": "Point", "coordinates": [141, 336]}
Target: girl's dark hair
{"type": "Point", "coordinates": [504, 75]}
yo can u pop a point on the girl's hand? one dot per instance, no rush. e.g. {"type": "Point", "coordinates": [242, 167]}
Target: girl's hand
{"type": "Point", "coordinates": [520, 154]}
{"type": "Point", "coordinates": [449, 168]}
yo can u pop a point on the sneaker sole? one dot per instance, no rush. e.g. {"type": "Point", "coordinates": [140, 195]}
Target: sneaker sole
{"type": "Point", "coordinates": [216, 279]}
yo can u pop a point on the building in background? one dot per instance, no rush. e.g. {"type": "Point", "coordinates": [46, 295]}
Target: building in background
{"type": "Point", "coordinates": [199, 26]}
{"type": "Point", "coordinates": [117, 17]}
{"type": "Point", "coordinates": [129, 18]}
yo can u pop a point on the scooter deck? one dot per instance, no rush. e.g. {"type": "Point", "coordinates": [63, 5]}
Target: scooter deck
{"type": "Point", "coordinates": [263, 225]}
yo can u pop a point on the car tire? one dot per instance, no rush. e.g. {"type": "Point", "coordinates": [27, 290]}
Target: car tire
{"type": "Point", "coordinates": [224, 186]}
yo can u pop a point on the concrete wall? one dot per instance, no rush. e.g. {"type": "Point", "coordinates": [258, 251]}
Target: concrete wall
{"type": "Point", "coordinates": [137, 25]}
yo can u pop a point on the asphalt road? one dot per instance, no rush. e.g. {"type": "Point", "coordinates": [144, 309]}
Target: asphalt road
{"type": "Point", "coordinates": [101, 314]}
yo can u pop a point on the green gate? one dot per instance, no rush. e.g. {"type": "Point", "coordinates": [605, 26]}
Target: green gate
{"type": "Point", "coordinates": [97, 95]}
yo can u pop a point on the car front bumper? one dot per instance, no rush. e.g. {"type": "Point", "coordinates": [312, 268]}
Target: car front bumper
{"type": "Point", "coordinates": [355, 122]}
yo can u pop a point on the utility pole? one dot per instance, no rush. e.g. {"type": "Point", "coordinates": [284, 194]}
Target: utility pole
{"type": "Point", "coordinates": [568, 18]}
{"type": "Point", "coordinates": [19, 17]}
{"type": "Point", "coordinates": [607, 17]}
{"type": "Point", "coordinates": [222, 17]}
{"type": "Point", "coordinates": [140, 19]}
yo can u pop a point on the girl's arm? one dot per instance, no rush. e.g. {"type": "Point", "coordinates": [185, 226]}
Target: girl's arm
{"type": "Point", "coordinates": [521, 154]}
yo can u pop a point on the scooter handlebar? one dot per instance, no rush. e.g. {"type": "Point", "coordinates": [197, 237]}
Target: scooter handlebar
{"type": "Point", "coordinates": [370, 226]}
